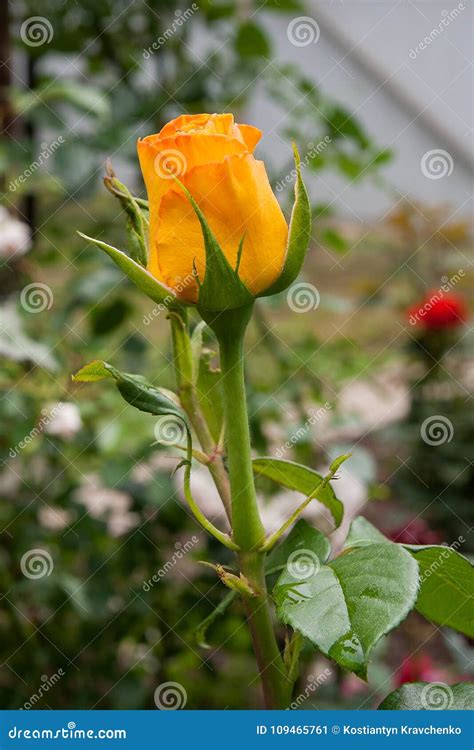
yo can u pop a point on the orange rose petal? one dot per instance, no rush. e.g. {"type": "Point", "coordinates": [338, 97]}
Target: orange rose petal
{"type": "Point", "coordinates": [250, 136]}
{"type": "Point", "coordinates": [236, 198]}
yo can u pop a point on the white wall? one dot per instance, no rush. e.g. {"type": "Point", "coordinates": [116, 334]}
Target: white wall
{"type": "Point", "coordinates": [412, 104]}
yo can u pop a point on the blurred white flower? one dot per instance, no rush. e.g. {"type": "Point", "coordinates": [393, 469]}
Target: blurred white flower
{"type": "Point", "coordinates": [15, 238]}
{"type": "Point", "coordinates": [119, 523]}
{"type": "Point", "coordinates": [53, 518]}
{"type": "Point", "coordinates": [108, 504]}
{"type": "Point", "coordinates": [99, 500]}
{"type": "Point", "coordinates": [65, 420]}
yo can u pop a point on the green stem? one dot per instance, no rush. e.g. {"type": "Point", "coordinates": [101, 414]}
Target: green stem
{"type": "Point", "coordinates": [187, 393]}
{"type": "Point", "coordinates": [247, 528]}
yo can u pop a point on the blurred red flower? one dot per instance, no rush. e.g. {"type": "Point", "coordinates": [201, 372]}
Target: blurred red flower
{"type": "Point", "coordinates": [438, 310]}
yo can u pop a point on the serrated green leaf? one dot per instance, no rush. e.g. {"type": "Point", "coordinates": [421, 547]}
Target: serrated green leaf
{"type": "Point", "coordinates": [299, 235]}
{"type": "Point", "coordinates": [136, 273]}
{"type": "Point", "coordinates": [346, 606]}
{"type": "Point", "coordinates": [301, 537]}
{"type": "Point", "coordinates": [362, 532]}
{"type": "Point", "coordinates": [446, 588]}
{"type": "Point", "coordinates": [430, 696]}
{"type": "Point", "coordinates": [300, 478]}
{"type": "Point", "coordinates": [446, 594]}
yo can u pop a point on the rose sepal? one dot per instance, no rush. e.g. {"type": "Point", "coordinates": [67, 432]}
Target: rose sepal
{"type": "Point", "coordinates": [142, 278]}
{"type": "Point", "coordinates": [299, 235]}
{"type": "Point", "coordinates": [221, 288]}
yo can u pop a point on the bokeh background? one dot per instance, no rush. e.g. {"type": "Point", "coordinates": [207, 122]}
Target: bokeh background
{"type": "Point", "coordinates": [378, 97]}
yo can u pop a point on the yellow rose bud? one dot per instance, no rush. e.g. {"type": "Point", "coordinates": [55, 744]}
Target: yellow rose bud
{"type": "Point", "coordinates": [213, 158]}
